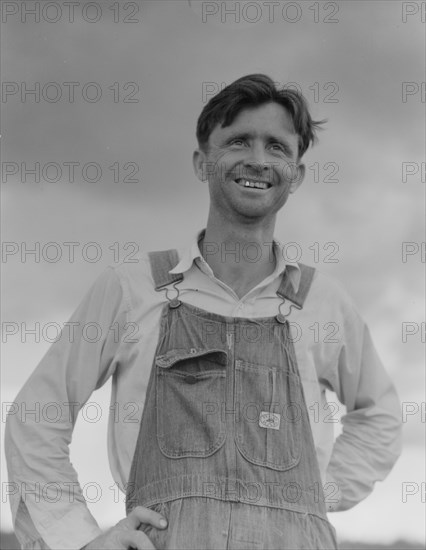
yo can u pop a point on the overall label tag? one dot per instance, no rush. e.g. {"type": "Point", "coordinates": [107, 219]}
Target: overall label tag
{"type": "Point", "coordinates": [269, 420]}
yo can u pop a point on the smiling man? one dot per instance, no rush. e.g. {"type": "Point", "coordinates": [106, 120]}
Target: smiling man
{"type": "Point", "coordinates": [234, 448]}
{"type": "Point", "coordinates": [255, 165]}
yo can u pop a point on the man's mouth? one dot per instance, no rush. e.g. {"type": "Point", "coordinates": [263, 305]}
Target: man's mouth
{"type": "Point", "coordinates": [255, 184]}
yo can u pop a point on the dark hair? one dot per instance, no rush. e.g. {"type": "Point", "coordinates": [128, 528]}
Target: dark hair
{"type": "Point", "coordinates": [252, 91]}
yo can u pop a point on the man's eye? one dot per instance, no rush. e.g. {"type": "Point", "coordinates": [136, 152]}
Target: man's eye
{"type": "Point", "coordinates": [279, 147]}
{"type": "Point", "coordinates": [237, 142]}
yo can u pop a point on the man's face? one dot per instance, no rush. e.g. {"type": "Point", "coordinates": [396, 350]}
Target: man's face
{"type": "Point", "coordinates": [251, 165]}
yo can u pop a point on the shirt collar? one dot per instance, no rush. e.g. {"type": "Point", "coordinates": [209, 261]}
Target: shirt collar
{"type": "Point", "coordinates": [192, 254]}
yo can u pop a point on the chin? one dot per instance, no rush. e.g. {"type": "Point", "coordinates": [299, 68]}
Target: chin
{"type": "Point", "coordinates": [254, 214]}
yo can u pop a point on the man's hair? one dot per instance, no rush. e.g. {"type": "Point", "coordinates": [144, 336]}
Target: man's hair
{"type": "Point", "coordinates": [251, 91]}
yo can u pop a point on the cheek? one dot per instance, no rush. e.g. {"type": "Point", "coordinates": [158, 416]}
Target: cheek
{"type": "Point", "coordinates": [225, 171]}
{"type": "Point", "coordinates": [227, 164]}
{"type": "Point", "coordinates": [289, 172]}
{"type": "Point", "coordinates": [215, 168]}
{"type": "Point", "coordinates": [285, 190]}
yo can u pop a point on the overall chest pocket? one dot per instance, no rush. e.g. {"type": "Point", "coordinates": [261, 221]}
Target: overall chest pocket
{"type": "Point", "coordinates": [190, 388]}
{"type": "Point", "coordinates": [268, 431]}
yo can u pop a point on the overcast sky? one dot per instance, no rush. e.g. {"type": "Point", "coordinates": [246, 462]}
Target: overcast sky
{"type": "Point", "coordinates": [118, 89]}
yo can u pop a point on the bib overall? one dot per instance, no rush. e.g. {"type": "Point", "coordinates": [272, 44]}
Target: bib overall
{"type": "Point", "coordinates": [225, 450]}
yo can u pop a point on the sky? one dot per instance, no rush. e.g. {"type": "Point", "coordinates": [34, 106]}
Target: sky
{"type": "Point", "coordinates": [109, 133]}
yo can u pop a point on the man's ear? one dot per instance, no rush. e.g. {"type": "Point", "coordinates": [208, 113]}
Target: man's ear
{"type": "Point", "coordinates": [299, 177]}
{"type": "Point", "coordinates": [199, 164]}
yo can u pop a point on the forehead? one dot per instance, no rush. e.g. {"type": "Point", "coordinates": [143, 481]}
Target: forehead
{"type": "Point", "coordinates": [270, 119]}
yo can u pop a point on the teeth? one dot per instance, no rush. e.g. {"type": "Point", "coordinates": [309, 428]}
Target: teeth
{"type": "Point", "coordinates": [255, 184]}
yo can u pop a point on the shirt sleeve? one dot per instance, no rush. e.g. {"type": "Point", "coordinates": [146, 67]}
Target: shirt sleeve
{"type": "Point", "coordinates": [48, 507]}
{"type": "Point", "coordinates": [371, 438]}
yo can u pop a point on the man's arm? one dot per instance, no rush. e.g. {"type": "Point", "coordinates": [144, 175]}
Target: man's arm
{"type": "Point", "coordinates": [370, 442]}
{"type": "Point", "coordinates": [37, 449]}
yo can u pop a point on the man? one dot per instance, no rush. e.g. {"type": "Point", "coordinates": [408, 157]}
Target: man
{"type": "Point", "coordinates": [235, 445]}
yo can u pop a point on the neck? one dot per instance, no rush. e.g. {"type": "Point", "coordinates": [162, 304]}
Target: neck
{"type": "Point", "coordinates": [240, 254]}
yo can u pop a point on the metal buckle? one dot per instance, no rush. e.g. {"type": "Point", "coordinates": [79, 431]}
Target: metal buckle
{"type": "Point", "coordinates": [280, 317]}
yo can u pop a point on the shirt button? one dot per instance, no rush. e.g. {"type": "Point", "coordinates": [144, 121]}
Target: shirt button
{"type": "Point", "coordinates": [224, 533]}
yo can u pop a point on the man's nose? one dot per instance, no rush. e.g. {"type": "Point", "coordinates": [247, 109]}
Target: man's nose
{"type": "Point", "coordinates": [257, 160]}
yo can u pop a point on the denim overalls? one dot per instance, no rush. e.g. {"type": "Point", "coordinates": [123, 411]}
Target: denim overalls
{"type": "Point", "coordinates": [225, 450]}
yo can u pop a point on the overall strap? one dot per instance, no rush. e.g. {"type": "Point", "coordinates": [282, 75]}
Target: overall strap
{"type": "Point", "coordinates": [286, 290]}
{"type": "Point", "coordinates": [162, 262]}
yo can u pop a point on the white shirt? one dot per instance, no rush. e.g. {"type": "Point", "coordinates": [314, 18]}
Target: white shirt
{"type": "Point", "coordinates": [333, 348]}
